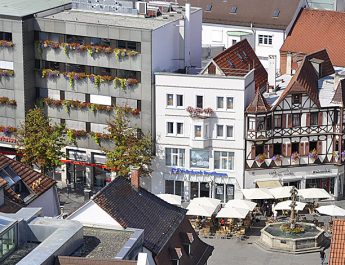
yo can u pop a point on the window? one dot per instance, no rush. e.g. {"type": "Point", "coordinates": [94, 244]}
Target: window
{"type": "Point", "coordinates": [296, 99]}
{"type": "Point", "coordinates": [229, 131]}
{"type": "Point", "coordinates": [234, 42]}
{"type": "Point", "coordinates": [314, 118]}
{"type": "Point", "coordinates": [261, 124]}
{"type": "Point", "coordinates": [233, 9]}
{"type": "Point", "coordinates": [170, 127]}
{"type": "Point", "coordinates": [179, 100]}
{"type": "Point", "coordinates": [220, 132]}
{"type": "Point", "coordinates": [220, 102]}
{"type": "Point", "coordinates": [170, 99]}
{"type": "Point", "coordinates": [199, 158]}
{"type": "Point", "coordinates": [179, 128]}
{"type": "Point", "coordinates": [295, 147]}
{"type": "Point", "coordinates": [199, 102]}
{"type": "Point", "coordinates": [174, 157]}
{"type": "Point", "coordinates": [265, 39]}
{"type": "Point", "coordinates": [296, 120]}
{"type": "Point", "coordinates": [197, 131]}
{"type": "Point", "coordinates": [174, 187]}
{"type": "Point", "coordinates": [229, 103]}
{"type": "Point", "coordinates": [259, 149]}
{"type": "Point", "coordinates": [209, 7]}
{"type": "Point", "coordinates": [269, 123]}
{"type": "Point", "coordinates": [251, 124]}
{"type": "Point", "coordinates": [277, 121]}
{"type": "Point", "coordinates": [277, 149]}
{"type": "Point", "coordinates": [224, 160]}
{"type": "Point", "coordinates": [276, 13]}
{"type": "Point", "coordinates": [312, 146]}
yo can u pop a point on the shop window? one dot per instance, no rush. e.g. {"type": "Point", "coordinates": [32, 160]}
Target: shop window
{"type": "Point", "coordinates": [322, 183]}
{"type": "Point", "coordinates": [296, 120]}
{"type": "Point", "coordinates": [204, 189]}
{"type": "Point", "coordinates": [169, 186]}
{"type": "Point", "coordinates": [314, 118]}
{"type": "Point", "coordinates": [277, 149]}
{"type": "Point", "coordinates": [194, 190]}
{"type": "Point", "coordinates": [278, 121]}
{"type": "Point", "coordinates": [259, 149]}
{"type": "Point", "coordinates": [295, 147]}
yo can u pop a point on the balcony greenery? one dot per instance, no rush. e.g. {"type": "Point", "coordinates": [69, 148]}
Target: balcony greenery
{"type": "Point", "coordinates": [6, 44]}
{"type": "Point", "coordinates": [7, 101]}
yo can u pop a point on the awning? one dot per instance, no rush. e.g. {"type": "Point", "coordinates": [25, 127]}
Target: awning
{"type": "Point", "coordinates": [269, 184]}
{"type": "Point", "coordinates": [238, 33]}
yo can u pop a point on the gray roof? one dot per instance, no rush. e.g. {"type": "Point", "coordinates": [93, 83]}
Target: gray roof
{"type": "Point", "coordinates": [22, 8]}
{"type": "Point", "coordinates": [126, 21]}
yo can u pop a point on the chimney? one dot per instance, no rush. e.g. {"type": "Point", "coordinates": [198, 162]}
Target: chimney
{"type": "Point", "coordinates": [187, 32]}
{"type": "Point", "coordinates": [272, 69]}
{"type": "Point", "coordinates": [135, 178]}
{"type": "Point", "coordinates": [288, 63]}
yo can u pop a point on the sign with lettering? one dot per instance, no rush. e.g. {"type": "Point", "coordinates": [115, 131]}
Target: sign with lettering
{"type": "Point", "coordinates": [7, 140]}
{"type": "Point", "coordinates": [197, 172]}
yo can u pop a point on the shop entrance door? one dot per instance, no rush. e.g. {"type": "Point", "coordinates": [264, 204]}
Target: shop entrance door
{"type": "Point", "coordinates": [76, 175]}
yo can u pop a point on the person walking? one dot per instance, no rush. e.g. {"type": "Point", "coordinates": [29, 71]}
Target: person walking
{"type": "Point", "coordinates": [322, 256]}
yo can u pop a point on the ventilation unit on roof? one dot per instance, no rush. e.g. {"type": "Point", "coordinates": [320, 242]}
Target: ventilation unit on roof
{"type": "Point", "coordinates": [141, 7]}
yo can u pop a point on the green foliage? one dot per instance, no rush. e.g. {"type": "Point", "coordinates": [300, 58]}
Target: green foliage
{"type": "Point", "coordinates": [132, 148]}
{"type": "Point", "coordinates": [39, 141]}
{"type": "Point", "coordinates": [70, 137]}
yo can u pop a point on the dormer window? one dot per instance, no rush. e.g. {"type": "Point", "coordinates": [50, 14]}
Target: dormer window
{"type": "Point", "coordinates": [296, 99]}
{"type": "Point", "coordinates": [230, 63]}
{"type": "Point", "coordinates": [209, 7]}
{"type": "Point", "coordinates": [175, 255]}
{"type": "Point", "coordinates": [233, 10]}
{"type": "Point", "coordinates": [276, 13]}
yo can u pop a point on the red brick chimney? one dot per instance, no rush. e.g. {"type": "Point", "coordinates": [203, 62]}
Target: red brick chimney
{"type": "Point", "coordinates": [135, 178]}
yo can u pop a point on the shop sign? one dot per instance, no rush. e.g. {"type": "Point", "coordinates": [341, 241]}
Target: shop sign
{"type": "Point", "coordinates": [7, 140]}
{"type": "Point", "coordinates": [197, 172]}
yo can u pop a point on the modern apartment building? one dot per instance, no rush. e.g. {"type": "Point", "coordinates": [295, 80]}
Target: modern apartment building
{"type": "Point", "coordinates": [295, 133]}
{"type": "Point", "coordinates": [84, 61]}
{"type": "Point", "coordinates": [200, 126]}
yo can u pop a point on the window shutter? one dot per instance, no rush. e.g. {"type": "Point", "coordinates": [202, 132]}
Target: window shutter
{"type": "Point", "coordinates": [306, 148]}
{"type": "Point", "coordinates": [290, 121]}
{"type": "Point", "coordinates": [266, 149]}
{"type": "Point", "coordinates": [284, 150]}
{"type": "Point", "coordinates": [284, 121]}
{"type": "Point", "coordinates": [319, 147]}
{"type": "Point", "coordinates": [307, 120]}
{"type": "Point", "coordinates": [320, 118]}
{"type": "Point", "coordinates": [288, 152]}
{"type": "Point", "coordinates": [271, 149]}
{"type": "Point", "coordinates": [253, 152]}
{"type": "Point", "coordinates": [301, 149]}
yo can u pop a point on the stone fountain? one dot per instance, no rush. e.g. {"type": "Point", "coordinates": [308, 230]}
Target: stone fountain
{"type": "Point", "coordinates": [292, 236]}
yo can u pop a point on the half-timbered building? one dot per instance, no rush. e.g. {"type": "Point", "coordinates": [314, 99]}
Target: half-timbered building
{"type": "Point", "coordinates": [294, 132]}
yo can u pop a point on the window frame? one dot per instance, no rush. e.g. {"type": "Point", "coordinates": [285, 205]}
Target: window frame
{"type": "Point", "coordinates": [195, 130]}
{"type": "Point", "coordinates": [229, 160]}
{"type": "Point", "coordinates": [220, 128]}
{"type": "Point", "coordinates": [172, 127]}
{"type": "Point", "coordinates": [179, 155]}
{"type": "Point", "coordinates": [232, 131]}
{"type": "Point", "coordinates": [177, 100]}
{"type": "Point", "coordinates": [168, 100]}
{"type": "Point", "coordinates": [293, 120]}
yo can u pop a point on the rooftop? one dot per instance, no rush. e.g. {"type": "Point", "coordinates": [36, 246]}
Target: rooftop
{"type": "Point", "coordinates": [315, 30]}
{"type": "Point", "coordinates": [337, 255]}
{"type": "Point", "coordinates": [21, 8]}
{"type": "Point", "coordinates": [275, 14]}
{"type": "Point", "coordinates": [118, 20]}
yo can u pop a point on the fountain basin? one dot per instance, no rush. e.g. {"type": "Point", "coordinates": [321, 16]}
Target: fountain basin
{"type": "Point", "coordinates": [311, 239]}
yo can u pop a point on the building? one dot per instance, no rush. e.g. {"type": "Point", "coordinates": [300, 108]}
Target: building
{"type": "Point", "coordinates": [335, 5]}
{"type": "Point", "coordinates": [337, 253]}
{"type": "Point", "coordinates": [21, 186]}
{"type": "Point", "coordinates": [294, 133]}
{"type": "Point", "coordinates": [27, 237]}
{"type": "Point", "coordinates": [264, 24]}
{"type": "Point", "coordinates": [314, 30]}
{"type": "Point", "coordinates": [168, 236]}
{"type": "Point", "coordinates": [84, 61]}
{"type": "Point", "coordinates": [200, 125]}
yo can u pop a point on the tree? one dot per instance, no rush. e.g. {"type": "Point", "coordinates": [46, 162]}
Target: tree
{"type": "Point", "coordinates": [40, 142]}
{"type": "Point", "coordinates": [131, 147]}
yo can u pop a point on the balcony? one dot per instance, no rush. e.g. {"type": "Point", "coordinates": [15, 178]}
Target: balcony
{"type": "Point", "coordinates": [130, 60]}
{"type": "Point", "coordinates": [7, 82]}
{"type": "Point", "coordinates": [89, 142]}
{"type": "Point", "coordinates": [59, 82]}
{"type": "Point", "coordinates": [8, 111]}
{"type": "Point", "coordinates": [6, 51]}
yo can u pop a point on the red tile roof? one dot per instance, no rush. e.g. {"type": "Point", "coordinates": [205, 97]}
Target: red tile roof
{"type": "Point", "coordinates": [239, 60]}
{"type": "Point", "coordinates": [65, 260]}
{"type": "Point", "coordinates": [315, 30]}
{"type": "Point", "coordinates": [337, 254]}
{"type": "Point", "coordinates": [37, 182]}
{"type": "Point", "coordinates": [258, 105]}
{"type": "Point", "coordinates": [339, 95]}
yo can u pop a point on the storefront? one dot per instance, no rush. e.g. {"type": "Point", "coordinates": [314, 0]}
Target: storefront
{"type": "Point", "coordinates": [191, 184]}
{"type": "Point", "coordinates": [76, 172]}
{"type": "Point", "coordinates": [101, 176]}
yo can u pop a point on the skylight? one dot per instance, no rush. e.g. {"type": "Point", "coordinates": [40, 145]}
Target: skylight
{"type": "Point", "coordinates": [276, 13]}
{"type": "Point", "coordinates": [233, 10]}
{"type": "Point", "coordinates": [239, 56]}
{"type": "Point", "coordinates": [230, 63]}
{"type": "Point", "coordinates": [9, 175]}
{"type": "Point", "coordinates": [209, 7]}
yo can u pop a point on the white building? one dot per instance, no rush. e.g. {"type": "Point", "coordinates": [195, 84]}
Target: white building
{"type": "Point", "coordinates": [264, 23]}
{"type": "Point", "coordinates": [336, 5]}
{"type": "Point", "coordinates": [200, 126]}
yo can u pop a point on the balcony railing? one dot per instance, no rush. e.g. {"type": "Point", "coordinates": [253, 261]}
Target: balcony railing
{"type": "Point", "coordinates": [6, 50]}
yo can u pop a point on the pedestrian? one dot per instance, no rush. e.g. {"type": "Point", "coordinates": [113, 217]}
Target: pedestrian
{"type": "Point", "coordinates": [322, 256]}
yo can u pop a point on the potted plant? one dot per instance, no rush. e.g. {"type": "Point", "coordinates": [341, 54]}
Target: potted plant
{"type": "Point", "coordinates": [295, 157]}
{"type": "Point", "coordinates": [260, 158]}
{"type": "Point", "coordinates": [277, 159]}
{"type": "Point", "coordinates": [313, 155]}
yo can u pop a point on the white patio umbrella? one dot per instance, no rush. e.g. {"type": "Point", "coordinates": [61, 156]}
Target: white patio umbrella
{"type": "Point", "coordinates": [331, 210]}
{"type": "Point", "coordinates": [257, 194]}
{"type": "Point", "coordinates": [285, 205]}
{"type": "Point", "coordinates": [244, 204]}
{"type": "Point", "coordinates": [206, 201]}
{"type": "Point", "coordinates": [232, 212]}
{"type": "Point", "coordinates": [170, 198]}
{"type": "Point", "coordinates": [196, 209]}
{"type": "Point", "coordinates": [314, 193]}
{"type": "Point", "coordinates": [281, 192]}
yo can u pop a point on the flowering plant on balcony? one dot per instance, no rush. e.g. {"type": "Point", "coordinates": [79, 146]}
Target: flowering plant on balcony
{"type": "Point", "coordinates": [6, 73]}
{"type": "Point", "coordinates": [74, 76]}
{"type": "Point", "coordinates": [295, 156]}
{"type": "Point", "coordinates": [97, 137]}
{"type": "Point", "coordinates": [49, 44]}
{"type": "Point", "coordinates": [6, 44]}
{"type": "Point", "coordinates": [198, 112]}
{"type": "Point", "coordinates": [75, 46]}
{"type": "Point", "coordinates": [7, 101]}
{"type": "Point", "coordinates": [49, 73]}
{"type": "Point", "coordinates": [52, 102]}
{"type": "Point", "coordinates": [313, 154]}
{"type": "Point", "coordinates": [260, 158]}
{"type": "Point", "coordinates": [7, 130]}
{"type": "Point", "coordinates": [277, 158]}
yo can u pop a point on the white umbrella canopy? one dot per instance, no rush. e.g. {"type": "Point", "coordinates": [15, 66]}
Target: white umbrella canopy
{"type": "Point", "coordinates": [285, 205]}
{"type": "Point", "coordinates": [196, 209]}
{"type": "Point", "coordinates": [257, 194]}
{"type": "Point", "coordinates": [331, 210]}
{"type": "Point", "coordinates": [281, 192]}
{"type": "Point", "coordinates": [314, 193]}
{"type": "Point", "coordinates": [206, 201]}
{"type": "Point", "coordinates": [232, 212]}
{"type": "Point", "coordinates": [170, 198]}
{"type": "Point", "coordinates": [244, 204]}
